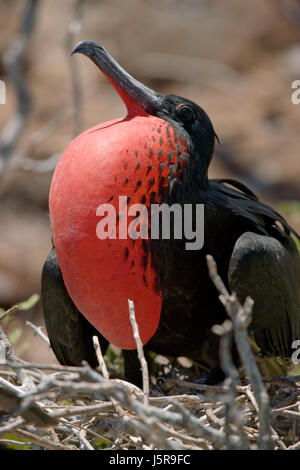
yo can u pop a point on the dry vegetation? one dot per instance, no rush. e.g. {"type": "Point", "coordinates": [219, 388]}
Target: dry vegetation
{"type": "Point", "coordinates": [70, 408]}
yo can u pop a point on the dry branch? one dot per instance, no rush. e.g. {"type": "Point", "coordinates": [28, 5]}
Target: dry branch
{"type": "Point", "coordinates": [61, 409]}
{"type": "Point", "coordinates": [74, 29]}
{"type": "Point", "coordinates": [13, 60]}
{"type": "Point", "coordinates": [140, 351]}
{"type": "Point", "coordinates": [241, 318]}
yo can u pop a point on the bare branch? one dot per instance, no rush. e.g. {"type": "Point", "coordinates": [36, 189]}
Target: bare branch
{"type": "Point", "coordinates": [241, 318]}
{"type": "Point", "coordinates": [74, 29]}
{"type": "Point", "coordinates": [42, 441]}
{"type": "Point", "coordinates": [14, 63]}
{"type": "Point", "coordinates": [229, 416]}
{"type": "Point", "coordinates": [10, 310]}
{"type": "Point", "coordinates": [9, 354]}
{"type": "Point", "coordinates": [38, 331]}
{"type": "Point", "coordinates": [100, 358]}
{"type": "Point", "coordinates": [140, 351]}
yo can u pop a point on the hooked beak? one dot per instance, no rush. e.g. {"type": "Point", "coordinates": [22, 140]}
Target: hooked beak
{"type": "Point", "coordinates": [135, 95]}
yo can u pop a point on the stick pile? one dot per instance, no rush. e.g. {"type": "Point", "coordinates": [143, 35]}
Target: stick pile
{"type": "Point", "coordinates": [79, 408]}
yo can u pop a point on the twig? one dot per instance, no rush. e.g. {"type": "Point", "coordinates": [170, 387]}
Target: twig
{"type": "Point", "coordinates": [46, 130]}
{"type": "Point", "coordinates": [189, 401]}
{"type": "Point", "coordinates": [125, 420]}
{"type": "Point", "coordinates": [92, 410]}
{"type": "Point", "coordinates": [289, 414]}
{"type": "Point", "coordinates": [105, 371]}
{"type": "Point", "coordinates": [37, 166]}
{"type": "Point", "coordinates": [6, 428]}
{"type": "Point", "coordinates": [146, 429]}
{"type": "Point", "coordinates": [231, 411]}
{"type": "Point", "coordinates": [71, 39]}
{"type": "Point", "coordinates": [283, 382]}
{"type": "Point", "coordinates": [13, 389]}
{"type": "Point", "coordinates": [10, 310]}
{"type": "Point", "coordinates": [294, 446]}
{"type": "Point", "coordinates": [37, 331]}
{"type": "Point", "coordinates": [14, 63]}
{"type": "Point", "coordinates": [201, 387]}
{"type": "Point", "coordinates": [241, 318]}
{"type": "Point", "coordinates": [27, 383]}
{"type": "Point", "coordinates": [23, 161]}
{"type": "Point", "coordinates": [140, 351]}
{"type": "Point", "coordinates": [11, 441]}
{"type": "Point", "coordinates": [85, 443]}
{"type": "Point", "coordinates": [199, 442]}
{"type": "Point", "coordinates": [100, 358]}
{"type": "Point", "coordinates": [42, 441]}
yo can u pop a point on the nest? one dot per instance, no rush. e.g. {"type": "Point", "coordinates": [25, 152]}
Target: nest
{"type": "Point", "coordinates": [57, 407]}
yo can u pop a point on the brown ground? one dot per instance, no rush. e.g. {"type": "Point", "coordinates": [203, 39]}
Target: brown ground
{"type": "Point", "coordinates": [236, 59]}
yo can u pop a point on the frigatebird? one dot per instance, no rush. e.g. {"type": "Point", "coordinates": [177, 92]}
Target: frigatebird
{"type": "Point", "coordinates": [160, 154]}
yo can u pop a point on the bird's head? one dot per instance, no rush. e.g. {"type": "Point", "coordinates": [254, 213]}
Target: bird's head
{"type": "Point", "coordinates": [158, 153]}
{"type": "Point", "coordinates": [189, 119]}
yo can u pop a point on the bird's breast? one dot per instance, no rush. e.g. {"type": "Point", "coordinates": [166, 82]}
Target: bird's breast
{"type": "Point", "coordinates": [108, 177]}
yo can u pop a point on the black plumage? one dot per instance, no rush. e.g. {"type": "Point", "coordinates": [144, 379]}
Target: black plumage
{"type": "Point", "coordinates": [251, 243]}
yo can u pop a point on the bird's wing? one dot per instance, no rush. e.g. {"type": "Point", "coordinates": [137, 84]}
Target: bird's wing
{"type": "Point", "coordinates": [236, 184]}
{"type": "Point", "coordinates": [69, 332]}
{"type": "Point", "coordinates": [268, 271]}
{"type": "Point", "coordinates": [243, 203]}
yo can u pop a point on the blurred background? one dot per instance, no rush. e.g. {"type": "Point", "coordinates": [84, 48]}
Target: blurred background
{"type": "Point", "coordinates": [236, 59]}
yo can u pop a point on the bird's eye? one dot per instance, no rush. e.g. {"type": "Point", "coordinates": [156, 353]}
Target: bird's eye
{"type": "Point", "coordinates": [185, 112]}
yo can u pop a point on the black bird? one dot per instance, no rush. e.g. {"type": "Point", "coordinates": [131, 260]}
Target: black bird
{"type": "Point", "coordinates": [252, 244]}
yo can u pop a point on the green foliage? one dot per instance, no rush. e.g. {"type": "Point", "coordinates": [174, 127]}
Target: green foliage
{"type": "Point", "coordinates": [114, 359]}
{"type": "Point", "coordinates": [13, 445]}
{"type": "Point", "coordinates": [297, 242]}
{"type": "Point", "coordinates": [294, 370]}
{"type": "Point", "coordinates": [22, 348]}
{"type": "Point", "coordinates": [14, 335]}
{"type": "Point", "coordinates": [99, 444]}
{"type": "Point", "coordinates": [290, 208]}
{"type": "Point", "coordinates": [29, 303]}
{"type": "Point", "coordinates": [5, 320]}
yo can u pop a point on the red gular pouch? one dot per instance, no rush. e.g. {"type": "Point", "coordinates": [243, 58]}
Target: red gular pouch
{"type": "Point", "coordinates": [99, 179]}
